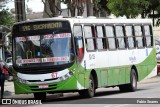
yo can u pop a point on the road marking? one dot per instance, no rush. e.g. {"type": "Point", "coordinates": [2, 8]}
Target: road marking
{"type": "Point", "coordinates": [117, 105]}
{"type": "Point", "coordinates": [122, 105]}
{"type": "Point", "coordinates": [108, 106]}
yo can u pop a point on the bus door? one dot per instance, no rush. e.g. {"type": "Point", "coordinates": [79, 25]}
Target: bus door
{"type": "Point", "coordinates": [78, 42]}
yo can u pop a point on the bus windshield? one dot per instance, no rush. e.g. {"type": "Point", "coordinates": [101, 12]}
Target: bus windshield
{"type": "Point", "coordinates": [46, 49]}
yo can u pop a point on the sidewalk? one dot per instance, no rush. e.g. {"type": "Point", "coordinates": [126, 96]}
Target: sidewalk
{"type": "Point", "coordinates": [9, 86]}
{"type": "Point", "coordinates": [150, 80]}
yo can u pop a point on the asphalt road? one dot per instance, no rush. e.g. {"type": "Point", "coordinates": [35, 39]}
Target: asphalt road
{"type": "Point", "coordinates": [147, 95]}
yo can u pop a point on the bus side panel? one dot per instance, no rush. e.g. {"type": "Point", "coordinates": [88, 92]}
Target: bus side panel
{"type": "Point", "coordinates": [103, 78]}
{"type": "Point", "coordinates": [152, 67]}
{"type": "Point", "coordinates": [117, 76]}
{"type": "Point", "coordinates": [113, 77]}
{"type": "Point", "coordinates": [99, 79]}
{"type": "Point", "coordinates": [143, 70]}
{"type": "Point", "coordinates": [127, 74]}
{"type": "Point", "coordinates": [121, 75]}
{"type": "Point", "coordinates": [83, 78]}
{"type": "Point", "coordinates": [147, 66]}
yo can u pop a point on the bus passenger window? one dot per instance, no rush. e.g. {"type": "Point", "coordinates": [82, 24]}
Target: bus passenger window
{"type": "Point", "coordinates": [101, 40]}
{"type": "Point", "coordinates": [111, 37]}
{"type": "Point", "coordinates": [138, 34]}
{"type": "Point", "coordinates": [148, 35]}
{"type": "Point", "coordinates": [120, 37]}
{"type": "Point", "coordinates": [129, 34]}
{"type": "Point", "coordinates": [89, 38]}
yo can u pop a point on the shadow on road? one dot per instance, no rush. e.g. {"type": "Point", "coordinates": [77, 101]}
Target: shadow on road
{"type": "Point", "coordinates": [77, 99]}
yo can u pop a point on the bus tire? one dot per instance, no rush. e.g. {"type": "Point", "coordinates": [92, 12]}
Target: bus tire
{"type": "Point", "coordinates": [132, 86]}
{"type": "Point", "coordinates": [90, 92]}
{"type": "Point", "coordinates": [40, 96]}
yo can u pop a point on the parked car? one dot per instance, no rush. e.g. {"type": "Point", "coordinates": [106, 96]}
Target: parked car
{"type": "Point", "coordinates": [9, 61]}
{"type": "Point", "coordinates": [158, 67]}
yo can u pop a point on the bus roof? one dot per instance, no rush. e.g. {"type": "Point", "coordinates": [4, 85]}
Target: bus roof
{"type": "Point", "coordinates": [92, 20]}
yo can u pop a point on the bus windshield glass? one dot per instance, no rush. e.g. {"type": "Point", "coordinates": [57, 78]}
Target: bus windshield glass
{"type": "Point", "coordinates": [49, 48]}
{"type": "Point", "coordinates": [43, 49]}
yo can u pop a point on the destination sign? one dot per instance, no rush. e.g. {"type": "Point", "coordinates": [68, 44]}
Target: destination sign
{"type": "Point", "coordinates": [43, 26]}
{"type": "Point", "coordinates": [63, 35]}
{"type": "Point", "coordinates": [27, 38]}
{"type": "Point", "coordinates": [44, 60]}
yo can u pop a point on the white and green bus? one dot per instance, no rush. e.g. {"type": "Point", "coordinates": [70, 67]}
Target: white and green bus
{"type": "Point", "coordinates": [58, 55]}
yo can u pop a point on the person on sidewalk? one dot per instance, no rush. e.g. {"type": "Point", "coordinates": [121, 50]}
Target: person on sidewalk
{"type": "Point", "coordinates": [3, 72]}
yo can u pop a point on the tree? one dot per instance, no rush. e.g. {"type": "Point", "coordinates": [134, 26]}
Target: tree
{"type": "Point", "coordinates": [129, 8]}
{"type": "Point", "coordinates": [75, 7]}
{"type": "Point", "coordinates": [153, 11]}
{"type": "Point", "coordinates": [3, 2]}
{"type": "Point", "coordinates": [100, 8]}
{"type": "Point", "coordinates": [52, 7]}
{"type": "Point", "coordinates": [6, 17]}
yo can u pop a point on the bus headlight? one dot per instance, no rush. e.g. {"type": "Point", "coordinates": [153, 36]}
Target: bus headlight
{"type": "Point", "coordinates": [66, 76]}
{"type": "Point", "coordinates": [20, 80]}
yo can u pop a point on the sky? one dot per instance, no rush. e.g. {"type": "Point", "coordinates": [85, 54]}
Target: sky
{"type": "Point", "coordinates": [35, 5]}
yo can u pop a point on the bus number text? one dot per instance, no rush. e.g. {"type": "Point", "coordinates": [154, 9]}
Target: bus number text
{"type": "Point", "coordinates": [91, 56]}
{"type": "Point", "coordinates": [54, 74]}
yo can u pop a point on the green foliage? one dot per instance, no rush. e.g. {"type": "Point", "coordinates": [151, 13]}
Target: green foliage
{"type": "Point", "coordinates": [6, 17]}
{"type": "Point", "coordinates": [155, 5]}
{"type": "Point", "coordinates": [153, 11]}
{"type": "Point", "coordinates": [129, 8]}
{"type": "Point", "coordinates": [100, 5]}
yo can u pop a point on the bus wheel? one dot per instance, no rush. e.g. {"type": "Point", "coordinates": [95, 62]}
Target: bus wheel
{"type": "Point", "coordinates": [89, 93]}
{"type": "Point", "coordinates": [40, 96]}
{"type": "Point", "coordinates": [132, 86]}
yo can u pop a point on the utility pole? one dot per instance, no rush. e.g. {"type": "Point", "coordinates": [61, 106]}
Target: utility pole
{"type": "Point", "coordinates": [20, 10]}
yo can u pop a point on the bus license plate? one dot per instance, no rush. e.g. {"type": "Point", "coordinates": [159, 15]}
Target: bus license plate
{"type": "Point", "coordinates": [43, 86]}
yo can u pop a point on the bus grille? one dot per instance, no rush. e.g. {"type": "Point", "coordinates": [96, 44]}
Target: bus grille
{"type": "Point", "coordinates": [41, 81]}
